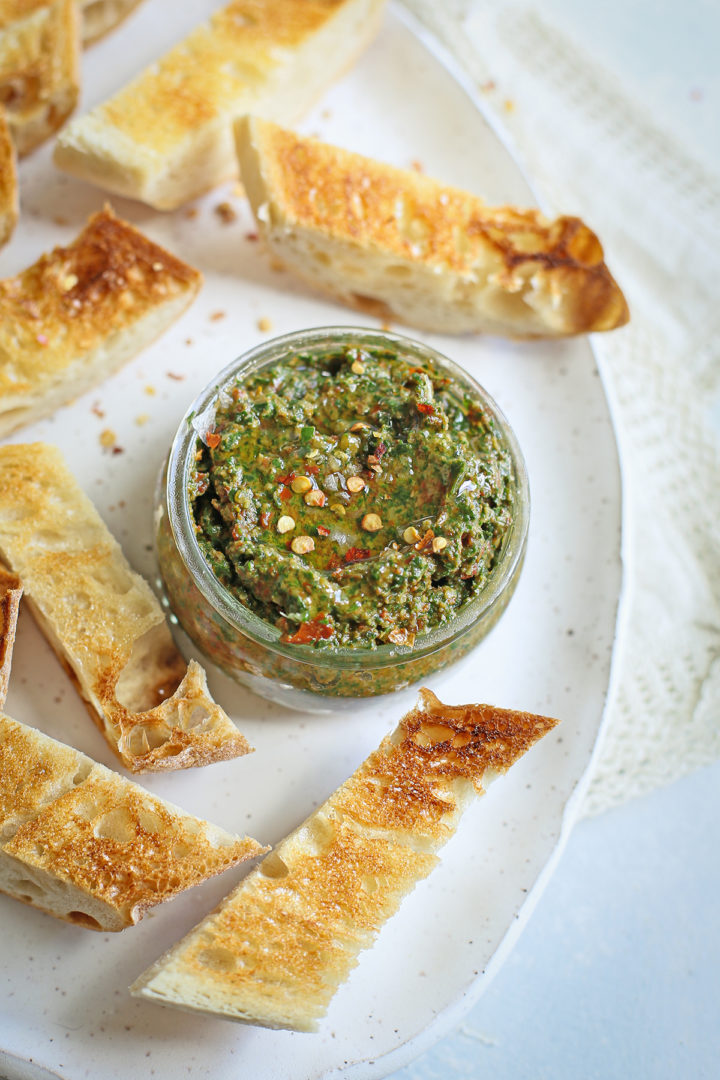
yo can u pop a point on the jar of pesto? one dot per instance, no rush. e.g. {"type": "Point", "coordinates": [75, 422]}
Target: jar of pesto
{"type": "Point", "coordinates": [343, 512]}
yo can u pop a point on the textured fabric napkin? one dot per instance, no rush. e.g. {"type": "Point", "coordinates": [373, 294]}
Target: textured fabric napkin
{"type": "Point", "coordinates": [589, 150]}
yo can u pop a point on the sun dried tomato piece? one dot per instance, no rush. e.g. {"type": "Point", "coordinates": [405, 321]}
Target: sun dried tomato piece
{"type": "Point", "coordinates": [355, 554]}
{"type": "Point", "coordinates": [314, 630]}
{"type": "Point", "coordinates": [286, 479]}
{"type": "Point", "coordinates": [322, 531]}
{"type": "Point", "coordinates": [426, 408]}
{"type": "Point", "coordinates": [212, 439]}
{"type": "Point", "coordinates": [265, 519]}
{"type": "Point", "coordinates": [286, 494]}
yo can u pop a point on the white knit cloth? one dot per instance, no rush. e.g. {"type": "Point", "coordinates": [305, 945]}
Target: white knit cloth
{"type": "Point", "coordinates": [588, 150]}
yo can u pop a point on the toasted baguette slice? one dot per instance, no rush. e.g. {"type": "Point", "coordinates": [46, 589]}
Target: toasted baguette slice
{"type": "Point", "coordinates": [84, 844]}
{"type": "Point", "coordinates": [81, 312]}
{"type": "Point", "coordinates": [278, 947]}
{"type": "Point", "coordinates": [39, 67]}
{"type": "Point", "coordinates": [104, 621]}
{"type": "Point", "coordinates": [404, 247]}
{"type": "Point", "coordinates": [167, 136]}
{"type": "Point", "coordinates": [8, 182]}
{"type": "Point", "coordinates": [10, 593]}
{"type": "Point", "coordinates": [99, 17]}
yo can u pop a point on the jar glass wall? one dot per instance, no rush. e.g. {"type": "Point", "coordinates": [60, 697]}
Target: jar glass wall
{"type": "Point", "coordinates": [251, 649]}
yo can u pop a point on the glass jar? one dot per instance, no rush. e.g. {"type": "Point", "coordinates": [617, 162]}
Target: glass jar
{"type": "Point", "coordinates": [250, 649]}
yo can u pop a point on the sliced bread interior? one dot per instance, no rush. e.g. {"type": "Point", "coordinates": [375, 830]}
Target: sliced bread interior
{"type": "Point", "coordinates": [278, 947]}
{"type": "Point", "coordinates": [167, 136]}
{"type": "Point", "coordinates": [104, 621]}
{"type": "Point", "coordinates": [89, 846]}
{"type": "Point", "coordinates": [407, 248]}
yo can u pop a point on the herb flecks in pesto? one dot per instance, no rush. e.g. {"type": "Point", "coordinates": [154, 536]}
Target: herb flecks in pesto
{"type": "Point", "coordinates": [352, 498]}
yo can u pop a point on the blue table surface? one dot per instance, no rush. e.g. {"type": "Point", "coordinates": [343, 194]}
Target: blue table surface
{"type": "Point", "coordinates": [617, 974]}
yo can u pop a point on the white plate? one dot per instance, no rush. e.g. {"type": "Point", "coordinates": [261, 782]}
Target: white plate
{"type": "Point", "coordinates": [65, 1005]}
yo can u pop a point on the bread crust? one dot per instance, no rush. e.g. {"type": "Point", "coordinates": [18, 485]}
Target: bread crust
{"type": "Point", "coordinates": [39, 67]}
{"type": "Point", "coordinates": [99, 17]}
{"type": "Point", "coordinates": [104, 621]}
{"type": "Point", "coordinates": [166, 137]}
{"type": "Point", "coordinates": [404, 247]}
{"type": "Point", "coordinates": [8, 182]}
{"type": "Point", "coordinates": [86, 845]}
{"type": "Point", "coordinates": [278, 947]}
{"type": "Point", "coordinates": [82, 311]}
{"type": "Point", "coordinates": [10, 594]}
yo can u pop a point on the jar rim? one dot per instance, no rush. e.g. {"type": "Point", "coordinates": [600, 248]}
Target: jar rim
{"type": "Point", "coordinates": [260, 630]}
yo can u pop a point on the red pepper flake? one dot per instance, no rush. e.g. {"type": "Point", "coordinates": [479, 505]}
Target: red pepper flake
{"type": "Point", "coordinates": [174, 375]}
{"type": "Point", "coordinates": [265, 519]}
{"type": "Point", "coordinates": [424, 407]}
{"type": "Point", "coordinates": [314, 630]}
{"type": "Point", "coordinates": [322, 531]}
{"type": "Point", "coordinates": [236, 534]}
{"type": "Point", "coordinates": [286, 494]}
{"type": "Point", "coordinates": [355, 554]}
{"type": "Point", "coordinates": [251, 237]}
{"type": "Point", "coordinates": [118, 450]}
{"type": "Point", "coordinates": [212, 439]}
{"type": "Point", "coordinates": [312, 469]}
{"type": "Point", "coordinates": [286, 479]}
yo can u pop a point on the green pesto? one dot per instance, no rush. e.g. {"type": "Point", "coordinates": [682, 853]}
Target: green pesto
{"type": "Point", "coordinates": [430, 458]}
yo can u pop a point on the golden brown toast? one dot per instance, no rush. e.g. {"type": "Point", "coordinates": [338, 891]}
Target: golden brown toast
{"type": "Point", "coordinates": [84, 844]}
{"type": "Point", "coordinates": [39, 67]}
{"type": "Point", "coordinates": [167, 136]}
{"type": "Point", "coordinates": [104, 621]}
{"type": "Point", "coordinates": [278, 947]}
{"type": "Point", "coordinates": [99, 17]}
{"type": "Point", "coordinates": [8, 182]}
{"type": "Point", "coordinates": [407, 248]}
{"type": "Point", "coordinates": [79, 313]}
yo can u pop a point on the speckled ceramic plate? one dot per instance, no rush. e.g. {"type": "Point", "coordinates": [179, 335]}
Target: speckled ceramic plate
{"type": "Point", "coordinates": [63, 991]}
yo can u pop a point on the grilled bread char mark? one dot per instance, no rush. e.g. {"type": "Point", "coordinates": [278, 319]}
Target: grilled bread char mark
{"type": "Point", "coordinates": [104, 621]}
{"type": "Point", "coordinates": [167, 136]}
{"type": "Point", "coordinates": [39, 67]}
{"type": "Point", "coordinates": [86, 845]}
{"type": "Point", "coordinates": [278, 947]}
{"type": "Point", "coordinates": [81, 312]}
{"type": "Point", "coordinates": [404, 247]}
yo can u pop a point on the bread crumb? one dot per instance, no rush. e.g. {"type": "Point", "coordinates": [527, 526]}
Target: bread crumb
{"type": "Point", "coordinates": [215, 316]}
{"type": "Point", "coordinates": [326, 114]}
{"type": "Point", "coordinates": [417, 165]}
{"type": "Point", "coordinates": [96, 410]}
{"type": "Point", "coordinates": [150, 391]}
{"type": "Point", "coordinates": [59, 220]}
{"type": "Point", "coordinates": [107, 438]}
{"type": "Point", "coordinates": [486, 87]}
{"type": "Point", "coordinates": [174, 375]}
{"type": "Point", "coordinates": [509, 105]}
{"type": "Point", "coordinates": [264, 324]}
{"type": "Point", "coordinates": [142, 419]}
{"type": "Point", "coordinates": [226, 212]}
{"type": "Point", "coordinates": [191, 212]}
{"type": "Point", "coordinates": [277, 265]}
{"type": "Point", "coordinates": [189, 341]}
